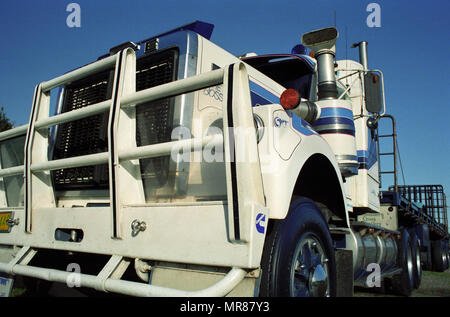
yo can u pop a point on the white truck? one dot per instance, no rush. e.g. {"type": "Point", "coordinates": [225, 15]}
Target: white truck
{"type": "Point", "coordinates": [170, 167]}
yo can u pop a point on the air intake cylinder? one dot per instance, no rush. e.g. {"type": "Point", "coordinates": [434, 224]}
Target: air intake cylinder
{"type": "Point", "coordinates": [335, 123]}
{"type": "Point", "coordinates": [322, 43]}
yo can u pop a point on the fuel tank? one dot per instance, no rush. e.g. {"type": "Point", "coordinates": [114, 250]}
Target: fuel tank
{"type": "Point", "coordinates": [372, 246]}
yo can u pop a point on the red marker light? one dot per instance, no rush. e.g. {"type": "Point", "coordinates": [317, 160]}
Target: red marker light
{"type": "Point", "coordinates": [290, 98]}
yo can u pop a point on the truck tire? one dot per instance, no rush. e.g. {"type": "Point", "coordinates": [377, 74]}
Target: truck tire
{"type": "Point", "coordinates": [403, 283]}
{"type": "Point", "coordinates": [298, 258]}
{"type": "Point", "coordinates": [445, 254]}
{"type": "Point", "coordinates": [428, 263]}
{"type": "Point", "coordinates": [417, 266]}
{"type": "Point", "coordinates": [438, 256]}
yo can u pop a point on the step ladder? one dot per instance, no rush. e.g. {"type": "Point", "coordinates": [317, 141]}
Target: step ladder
{"type": "Point", "coordinates": [393, 138]}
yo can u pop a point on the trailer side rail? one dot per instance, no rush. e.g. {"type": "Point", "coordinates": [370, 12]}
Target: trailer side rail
{"type": "Point", "coordinates": [416, 212]}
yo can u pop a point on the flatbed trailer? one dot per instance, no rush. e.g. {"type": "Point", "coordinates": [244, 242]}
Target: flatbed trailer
{"type": "Point", "coordinates": [423, 209]}
{"type": "Point", "coordinates": [418, 210]}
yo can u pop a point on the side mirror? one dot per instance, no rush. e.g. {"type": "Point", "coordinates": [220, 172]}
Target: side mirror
{"type": "Point", "coordinates": [372, 87]}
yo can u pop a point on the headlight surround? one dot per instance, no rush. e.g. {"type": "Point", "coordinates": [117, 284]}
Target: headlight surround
{"type": "Point", "coordinates": [259, 127]}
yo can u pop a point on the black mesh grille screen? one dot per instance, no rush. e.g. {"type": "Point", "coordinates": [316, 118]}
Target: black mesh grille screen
{"type": "Point", "coordinates": [85, 136]}
{"type": "Point", "coordinates": [89, 135]}
{"type": "Point", "coordinates": [154, 120]}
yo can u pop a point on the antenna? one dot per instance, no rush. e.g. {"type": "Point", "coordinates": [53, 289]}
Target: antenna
{"type": "Point", "coordinates": [346, 44]}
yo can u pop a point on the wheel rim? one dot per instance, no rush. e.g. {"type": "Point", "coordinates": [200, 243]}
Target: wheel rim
{"type": "Point", "coordinates": [418, 264]}
{"type": "Point", "coordinates": [409, 262]}
{"type": "Point", "coordinates": [444, 258]}
{"type": "Point", "coordinates": [309, 272]}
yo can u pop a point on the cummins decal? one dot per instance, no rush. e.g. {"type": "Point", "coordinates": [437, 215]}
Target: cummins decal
{"type": "Point", "coordinates": [261, 223]}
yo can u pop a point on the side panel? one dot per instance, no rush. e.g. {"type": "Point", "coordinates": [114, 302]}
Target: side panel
{"type": "Point", "coordinates": [386, 218]}
{"type": "Point", "coordinates": [364, 187]}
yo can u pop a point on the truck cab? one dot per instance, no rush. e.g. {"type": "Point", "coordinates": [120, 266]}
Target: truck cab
{"type": "Point", "coordinates": [170, 167]}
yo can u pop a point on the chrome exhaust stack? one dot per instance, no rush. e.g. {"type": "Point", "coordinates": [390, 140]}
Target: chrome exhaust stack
{"type": "Point", "coordinates": [362, 54]}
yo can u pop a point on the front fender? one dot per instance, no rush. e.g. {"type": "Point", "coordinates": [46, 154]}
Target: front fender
{"type": "Point", "coordinates": [283, 154]}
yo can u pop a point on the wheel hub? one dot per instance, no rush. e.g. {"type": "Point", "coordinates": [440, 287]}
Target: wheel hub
{"type": "Point", "coordinates": [318, 281]}
{"type": "Point", "coordinates": [310, 269]}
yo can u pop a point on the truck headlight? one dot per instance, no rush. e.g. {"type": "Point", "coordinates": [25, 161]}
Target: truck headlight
{"type": "Point", "coordinates": [259, 127]}
{"type": "Point", "coordinates": [217, 125]}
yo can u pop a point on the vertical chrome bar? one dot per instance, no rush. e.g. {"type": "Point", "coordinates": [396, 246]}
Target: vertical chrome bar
{"type": "Point", "coordinates": [112, 148]}
{"type": "Point", "coordinates": [27, 158]}
{"type": "Point", "coordinates": [124, 83]}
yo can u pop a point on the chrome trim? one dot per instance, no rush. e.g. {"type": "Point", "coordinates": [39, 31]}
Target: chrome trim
{"type": "Point", "coordinates": [259, 126]}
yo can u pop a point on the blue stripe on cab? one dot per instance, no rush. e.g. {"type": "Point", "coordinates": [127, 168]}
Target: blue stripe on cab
{"type": "Point", "coordinates": [333, 120]}
{"type": "Point", "coordinates": [262, 96]}
{"type": "Point", "coordinates": [368, 158]}
{"type": "Point", "coordinates": [258, 100]}
{"type": "Point", "coordinates": [336, 112]}
{"type": "Point", "coordinates": [302, 126]}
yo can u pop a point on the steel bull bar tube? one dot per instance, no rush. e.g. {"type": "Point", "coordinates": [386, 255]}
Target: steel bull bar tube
{"type": "Point", "coordinates": [107, 284]}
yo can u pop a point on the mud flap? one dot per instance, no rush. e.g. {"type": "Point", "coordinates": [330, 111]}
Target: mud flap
{"type": "Point", "coordinates": [344, 273]}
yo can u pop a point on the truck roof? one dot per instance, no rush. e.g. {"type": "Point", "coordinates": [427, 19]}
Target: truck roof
{"type": "Point", "coordinates": [202, 28]}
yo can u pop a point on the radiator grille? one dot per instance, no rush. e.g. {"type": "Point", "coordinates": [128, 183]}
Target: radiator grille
{"type": "Point", "coordinates": [154, 120]}
{"type": "Point", "coordinates": [85, 136]}
{"type": "Point", "coordinates": [89, 135]}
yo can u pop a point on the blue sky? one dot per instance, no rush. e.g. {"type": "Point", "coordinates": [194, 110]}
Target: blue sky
{"type": "Point", "coordinates": [411, 47]}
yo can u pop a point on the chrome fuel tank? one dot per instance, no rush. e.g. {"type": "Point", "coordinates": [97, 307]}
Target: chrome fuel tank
{"type": "Point", "coordinates": [372, 246]}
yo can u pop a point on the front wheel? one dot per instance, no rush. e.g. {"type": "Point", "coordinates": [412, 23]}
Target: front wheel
{"type": "Point", "coordinates": [298, 258]}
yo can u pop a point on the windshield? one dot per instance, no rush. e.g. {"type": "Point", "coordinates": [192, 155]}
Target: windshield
{"type": "Point", "coordinates": [290, 71]}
